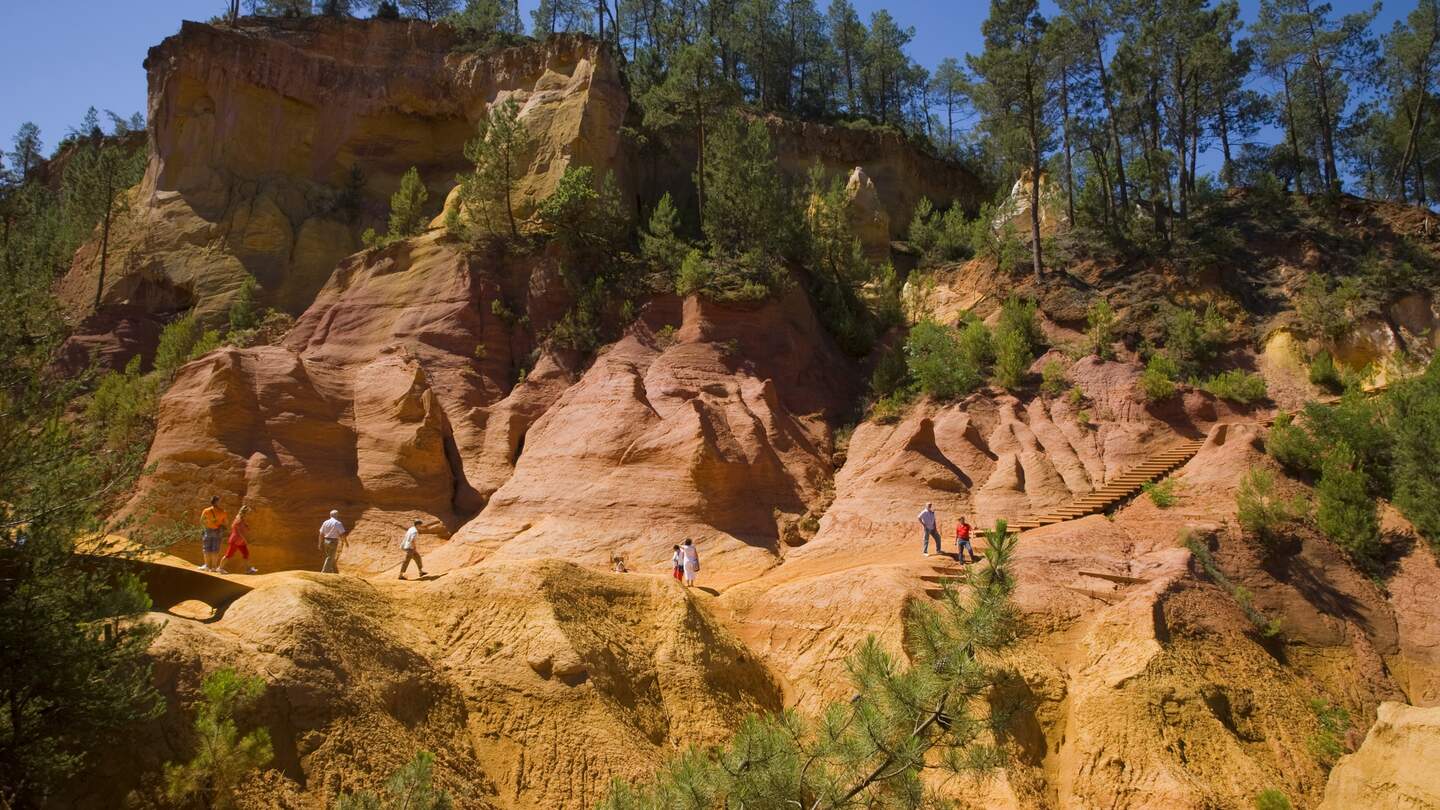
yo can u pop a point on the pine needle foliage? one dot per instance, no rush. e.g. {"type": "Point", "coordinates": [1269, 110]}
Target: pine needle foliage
{"type": "Point", "coordinates": [411, 788]}
{"type": "Point", "coordinates": [223, 755]}
{"type": "Point", "coordinates": [500, 153]}
{"type": "Point", "coordinates": [407, 212]}
{"type": "Point", "coordinates": [871, 751]}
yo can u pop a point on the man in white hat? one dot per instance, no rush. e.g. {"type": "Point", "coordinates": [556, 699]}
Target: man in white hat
{"type": "Point", "coordinates": [332, 540]}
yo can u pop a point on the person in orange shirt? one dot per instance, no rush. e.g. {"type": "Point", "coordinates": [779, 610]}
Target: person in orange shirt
{"type": "Point", "coordinates": [213, 519]}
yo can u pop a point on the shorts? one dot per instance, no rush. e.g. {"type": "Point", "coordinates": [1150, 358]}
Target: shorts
{"type": "Point", "coordinates": [210, 541]}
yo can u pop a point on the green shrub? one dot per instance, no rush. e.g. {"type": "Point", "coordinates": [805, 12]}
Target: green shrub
{"type": "Point", "coordinates": [1100, 329]}
{"type": "Point", "coordinates": [123, 406]}
{"type": "Point", "coordinates": [1324, 373]}
{"type": "Point", "coordinates": [941, 237]}
{"type": "Point", "coordinates": [1356, 421]}
{"type": "Point", "coordinates": [223, 756]}
{"type": "Point", "coordinates": [1013, 358]}
{"type": "Point", "coordinates": [1271, 799]}
{"type": "Point", "coordinates": [1324, 312]}
{"type": "Point", "coordinates": [1162, 493]}
{"type": "Point", "coordinates": [244, 312]}
{"type": "Point", "coordinates": [1345, 511]}
{"type": "Point", "coordinates": [746, 277]}
{"type": "Point", "coordinates": [410, 788]}
{"type": "Point", "coordinates": [1157, 382]}
{"type": "Point", "coordinates": [407, 212]}
{"type": "Point", "coordinates": [1053, 379]}
{"type": "Point", "coordinates": [1327, 744]}
{"type": "Point", "coordinates": [888, 409]}
{"type": "Point", "coordinates": [977, 345]}
{"type": "Point", "coordinates": [582, 214]}
{"type": "Point", "coordinates": [661, 242]}
{"type": "Point", "coordinates": [941, 364]}
{"type": "Point", "coordinates": [1075, 396]}
{"type": "Point", "coordinates": [1293, 446]}
{"type": "Point", "coordinates": [890, 373]}
{"type": "Point", "coordinates": [181, 341]}
{"type": "Point", "coordinates": [1415, 421]}
{"type": "Point", "coordinates": [1236, 386]}
{"type": "Point", "coordinates": [1017, 334]}
{"type": "Point", "coordinates": [1192, 340]}
{"type": "Point", "coordinates": [1261, 512]}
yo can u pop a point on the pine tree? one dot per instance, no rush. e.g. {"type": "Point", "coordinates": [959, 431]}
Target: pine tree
{"type": "Point", "coordinates": [26, 155]}
{"type": "Point", "coordinates": [872, 750]}
{"type": "Point", "coordinates": [223, 756]}
{"type": "Point", "coordinates": [949, 89]}
{"type": "Point", "coordinates": [73, 669]}
{"type": "Point", "coordinates": [411, 788]}
{"type": "Point", "coordinates": [1415, 424]}
{"type": "Point", "coordinates": [1345, 510]}
{"type": "Point", "coordinates": [748, 207]}
{"type": "Point", "coordinates": [692, 96]}
{"type": "Point", "coordinates": [1412, 62]}
{"type": "Point", "coordinates": [428, 10]}
{"type": "Point", "coordinates": [1299, 38]}
{"type": "Point", "coordinates": [848, 34]}
{"type": "Point", "coordinates": [407, 211]}
{"type": "Point", "coordinates": [97, 180]}
{"type": "Point", "coordinates": [500, 153]}
{"type": "Point", "coordinates": [1015, 95]}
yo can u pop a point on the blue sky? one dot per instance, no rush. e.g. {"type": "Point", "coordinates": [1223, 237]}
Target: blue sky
{"type": "Point", "coordinates": [50, 82]}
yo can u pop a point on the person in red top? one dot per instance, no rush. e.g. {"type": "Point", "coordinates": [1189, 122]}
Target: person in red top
{"type": "Point", "coordinates": [962, 541]}
{"type": "Point", "coordinates": [238, 542]}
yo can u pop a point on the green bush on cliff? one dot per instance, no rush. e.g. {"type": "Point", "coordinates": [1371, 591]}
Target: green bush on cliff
{"type": "Point", "coordinates": [1415, 426]}
{"type": "Point", "coordinates": [940, 236]}
{"type": "Point", "coordinates": [947, 363]}
{"type": "Point", "coordinates": [1236, 386]}
{"type": "Point", "coordinates": [1017, 335]}
{"type": "Point", "coordinates": [410, 788]}
{"type": "Point", "coordinates": [1324, 373]}
{"type": "Point", "coordinates": [1157, 381]}
{"type": "Point", "coordinates": [224, 756]}
{"type": "Point", "coordinates": [1345, 511]}
{"type": "Point", "coordinates": [1261, 512]}
{"type": "Point", "coordinates": [1100, 329]}
{"type": "Point", "coordinates": [407, 212]}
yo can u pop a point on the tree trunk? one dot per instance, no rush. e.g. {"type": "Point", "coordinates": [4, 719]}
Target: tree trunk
{"type": "Point", "coordinates": [700, 170]}
{"type": "Point", "coordinates": [1034, 132]}
{"type": "Point", "coordinates": [1227, 165]}
{"type": "Point", "coordinates": [1322, 92]}
{"type": "Point", "coordinates": [104, 252]}
{"type": "Point", "coordinates": [1114, 126]}
{"type": "Point", "coordinates": [1065, 137]}
{"type": "Point", "coordinates": [1290, 118]}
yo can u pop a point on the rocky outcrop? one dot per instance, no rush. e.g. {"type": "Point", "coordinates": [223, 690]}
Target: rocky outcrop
{"type": "Point", "coordinates": [1394, 768]}
{"type": "Point", "coordinates": [274, 143]}
{"type": "Point", "coordinates": [380, 402]}
{"type": "Point", "coordinates": [721, 435]}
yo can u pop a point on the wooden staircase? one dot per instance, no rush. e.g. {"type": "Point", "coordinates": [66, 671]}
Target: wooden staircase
{"type": "Point", "coordinates": [1116, 490]}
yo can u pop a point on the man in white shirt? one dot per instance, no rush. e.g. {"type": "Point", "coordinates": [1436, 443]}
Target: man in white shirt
{"type": "Point", "coordinates": [411, 553]}
{"type": "Point", "coordinates": [927, 522]}
{"type": "Point", "coordinates": [332, 540]}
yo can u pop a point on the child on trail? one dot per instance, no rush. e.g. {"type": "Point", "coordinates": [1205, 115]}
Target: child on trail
{"type": "Point", "coordinates": [238, 542]}
{"type": "Point", "coordinates": [927, 522]}
{"type": "Point", "coordinates": [213, 520]}
{"type": "Point", "coordinates": [677, 562]}
{"type": "Point", "coordinates": [692, 561]}
{"type": "Point", "coordinates": [962, 541]}
{"type": "Point", "coordinates": [411, 553]}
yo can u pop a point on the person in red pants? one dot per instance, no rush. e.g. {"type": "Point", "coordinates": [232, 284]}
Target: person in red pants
{"type": "Point", "coordinates": [238, 542]}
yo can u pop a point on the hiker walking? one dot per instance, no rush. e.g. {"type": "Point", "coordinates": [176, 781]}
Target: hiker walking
{"type": "Point", "coordinates": [213, 519]}
{"type": "Point", "coordinates": [411, 553]}
{"type": "Point", "coordinates": [691, 561]}
{"type": "Point", "coordinates": [239, 542]}
{"type": "Point", "coordinates": [962, 541]}
{"type": "Point", "coordinates": [927, 522]}
{"type": "Point", "coordinates": [332, 539]}
{"type": "Point", "coordinates": [677, 563]}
